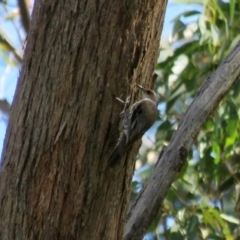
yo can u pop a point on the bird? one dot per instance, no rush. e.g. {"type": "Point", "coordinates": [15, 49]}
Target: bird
{"type": "Point", "coordinates": [136, 120]}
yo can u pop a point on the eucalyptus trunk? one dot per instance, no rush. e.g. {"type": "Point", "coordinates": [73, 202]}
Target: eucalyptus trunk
{"type": "Point", "coordinates": [54, 181]}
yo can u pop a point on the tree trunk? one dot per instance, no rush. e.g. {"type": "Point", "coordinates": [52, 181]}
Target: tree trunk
{"type": "Point", "coordinates": [55, 182]}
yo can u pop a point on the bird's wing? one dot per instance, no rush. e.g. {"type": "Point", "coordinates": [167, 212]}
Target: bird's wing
{"type": "Point", "coordinates": [133, 125]}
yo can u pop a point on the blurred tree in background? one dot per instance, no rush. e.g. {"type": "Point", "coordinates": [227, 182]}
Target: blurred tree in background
{"type": "Point", "coordinates": [204, 201]}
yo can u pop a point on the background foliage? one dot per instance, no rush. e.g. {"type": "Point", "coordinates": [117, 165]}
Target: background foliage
{"type": "Point", "coordinates": [204, 200]}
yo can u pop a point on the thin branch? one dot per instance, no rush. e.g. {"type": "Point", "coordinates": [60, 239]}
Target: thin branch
{"type": "Point", "coordinates": [149, 200]}
{"type": "Point", "coordinates": [10, 48]}
{"type": "Point", "coordinates": [5, 106]}
{"type": "Point", "coordinates": [25, 16]}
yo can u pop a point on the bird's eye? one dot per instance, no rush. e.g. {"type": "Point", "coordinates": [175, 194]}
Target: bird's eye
{"type": "Point", "coordinates": [149, 92]}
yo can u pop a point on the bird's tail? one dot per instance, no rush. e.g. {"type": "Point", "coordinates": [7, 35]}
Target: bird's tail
{"type": "Point", "coordinates": [118, 151]}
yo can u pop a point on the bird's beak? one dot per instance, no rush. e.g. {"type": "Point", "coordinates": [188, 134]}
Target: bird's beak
{"type": "Point", "coordinates": [140, 87]}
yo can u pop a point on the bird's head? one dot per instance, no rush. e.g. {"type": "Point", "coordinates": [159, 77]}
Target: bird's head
{"type": "Point", "coordinates": [148, 93]}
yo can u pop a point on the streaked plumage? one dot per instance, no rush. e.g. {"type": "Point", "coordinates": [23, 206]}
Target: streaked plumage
{"type": "Point", "coordinates": [136, 120]}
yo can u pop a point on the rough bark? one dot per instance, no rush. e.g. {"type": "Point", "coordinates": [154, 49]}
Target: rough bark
{"type": "Point", "coordinates": [170, 162]}
{"type": "Point", "coordinates": [54, 179]}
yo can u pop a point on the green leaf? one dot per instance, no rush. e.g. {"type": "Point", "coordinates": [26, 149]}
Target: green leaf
{"type": "Point", "coordinates": [192, 227]}
{"type": "Point", "coordinates": [215, 34]}
{"type": "Point", "coordinates": [189, 1]}
{"type": "Point", "coordinates": [216, 151]}
{"type": "Point", "coordinates": [178, 28]}
{"type": "Point", "coordinates": [224, 227]}
{"type": "Point", "coordinates": [232, 10]}
{"type": "Point", "coordinates": [230, 219]}
{"type": "Point", "coordinates": [208, 218]}
{"type": "Point", "coordinates": [221, 15]}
